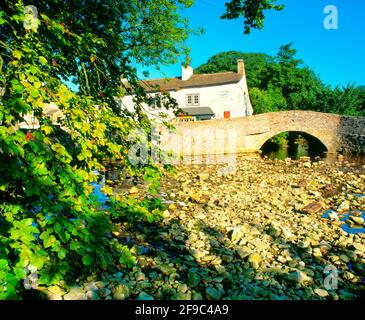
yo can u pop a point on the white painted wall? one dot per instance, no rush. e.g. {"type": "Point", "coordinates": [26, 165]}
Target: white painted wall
{"type": "Point", "coordinates": [229, 97]}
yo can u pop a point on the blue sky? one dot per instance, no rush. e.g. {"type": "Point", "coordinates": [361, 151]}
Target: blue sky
{"type": "Point", "coordinates": [337, 56]}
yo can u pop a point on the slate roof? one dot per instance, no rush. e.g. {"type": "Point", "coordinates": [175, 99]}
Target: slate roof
{"type": "Point", "coordinates": [196, 80]}
{"type": "Point", "coordinates": [195, 111]}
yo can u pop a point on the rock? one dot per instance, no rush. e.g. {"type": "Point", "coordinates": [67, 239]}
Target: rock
{"type": "Point", "coordinates": [255, 260]}
{"type": "Point", "coordinates": [203, 176]}
{"type": "Point", "coordinates": [140, 276]}
{"type": "Point", "coordinates": [133, 190]}
{"type": "Point", "coordinates": [345, 258]}
{"type": "Point", "coordinates": [274, 230]}
{"type": "Point", "coordinates": [313, 208]}
{"type": "Point", "coordinates": [307, 165]}
{"type": "Point", "coordinates": [358, 220]}
{"type": "Point", "coordinates": [196, 296]}
{"type": "Point", "coordinates": [330, 190]}
{"type": "Point", "coordinates": [172, 207]}
{"type": "Point", "coordinates": [333, 215]}
{"type": "Point", "coordinates": [300, 277]}
{"type": "Point", "coordinates": [195, 196]}
{"type": "Point", "coordinates": [75, 293]}
{"type": "Point", "coordinates": [144, 296]}
{"type": "Point", "coordinates": [213, 294]}
{"type": "Point", "coordinates": [197, 254]}
{"type": "Point", "coordinates": [92, 295]}
{"type": "Point", "coordinates": [321, 292]}
{"type": "Point", "coordinates": [104, 292]}
{"type": "Point", "coordinates": [235, 234]}
{"type": "Point", "coordinates": [167, 270]}
{"type": "Point", "coordinates": [120, 292]}
{"type": "Point", "coordinates": [193, 279]}
{"type": "Point", "coordinates": [54, 293]}
{"type": "Point", "coordinates": [181, 296]}
{"type": "Point", "coordinates": [242, 253]}
{"type": "Point", "coordinates": [344, 207]}
{"type": "Point", "coordinates": [358, 246]}
{"type": "Point", "coordinates": [118, 275]}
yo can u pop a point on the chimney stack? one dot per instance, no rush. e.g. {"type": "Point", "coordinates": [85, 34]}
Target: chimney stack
{"type": "Point", "coordinates": [187, 72]}
{"type": "Point", "coordinates": [240, 66]}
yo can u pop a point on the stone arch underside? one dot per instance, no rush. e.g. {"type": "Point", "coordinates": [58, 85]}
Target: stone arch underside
{"type": "Point", "coordinates": [324, 139]}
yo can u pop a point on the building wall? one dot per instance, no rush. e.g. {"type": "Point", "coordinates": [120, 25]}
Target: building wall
{"type": "Point", "coordinates": [229, 97]}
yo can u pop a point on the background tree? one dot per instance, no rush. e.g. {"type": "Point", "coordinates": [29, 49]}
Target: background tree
{"type": "Point", "coordinates": [227, 61]}
{"type": "Point", "coordinates": [283, 82]}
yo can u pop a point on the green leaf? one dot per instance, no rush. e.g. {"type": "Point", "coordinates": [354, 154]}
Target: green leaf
{"type": "Point", "coordinates": [87, 260]}
{"type": "Point", "coordinates": [62, 253]}
{"type": "Point", "coordinates": [57, 227]}
{"type": "Point", "coordinates": [17, 54]}
{"type": "Point", "coordinates": [3, 264]}
{"type": "Point", "coordinates": [49, 241]}
{"type": "Point", "coordinates": [42, 60]}
{"type": "Point", "coordinates": [34, 93]}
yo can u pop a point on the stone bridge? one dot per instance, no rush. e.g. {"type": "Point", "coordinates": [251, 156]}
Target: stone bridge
{"type": "Point", "coordinates": [248, 134]}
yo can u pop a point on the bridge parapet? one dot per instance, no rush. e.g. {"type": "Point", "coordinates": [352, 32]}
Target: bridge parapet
{"type": "Point", "coordinates": [248, 134]}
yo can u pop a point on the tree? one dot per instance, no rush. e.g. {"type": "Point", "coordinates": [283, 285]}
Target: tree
{"type": "Point", "coordinates": [251, 10]}
{"type": "Point", "coordinates": [48, 217]}
{"type": "Point", "coordinates": [227, 61]}
{"type": "Point", "coordinates": [266, 101]}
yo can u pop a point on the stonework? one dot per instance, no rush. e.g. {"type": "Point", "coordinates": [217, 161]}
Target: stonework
{"type": "Point", "coordinates": [248, 134]}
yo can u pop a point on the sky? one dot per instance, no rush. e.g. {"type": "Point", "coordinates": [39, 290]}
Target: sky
{"type": "Point", "coordinates": [336, 55]}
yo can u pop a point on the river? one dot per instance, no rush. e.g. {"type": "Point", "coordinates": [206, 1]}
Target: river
{"type": "Point", "coordinates": [304, 148]}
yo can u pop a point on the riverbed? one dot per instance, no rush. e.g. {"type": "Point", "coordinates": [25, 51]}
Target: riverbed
{"type": "Point", "coordinates": [270, 230]}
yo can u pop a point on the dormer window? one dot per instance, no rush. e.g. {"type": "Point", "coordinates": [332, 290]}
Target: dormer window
{"type": "Point", "coordinates": [193, 99]}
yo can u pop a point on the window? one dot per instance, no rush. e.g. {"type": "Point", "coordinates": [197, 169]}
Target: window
{"type": "Point", "coordinates": [193, 99]}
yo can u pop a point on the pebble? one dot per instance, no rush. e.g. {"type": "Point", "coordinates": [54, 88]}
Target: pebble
{"type": "Point", "coordinates": [213, 294]}
{"type": "Point", "coordinates": [75, 293]}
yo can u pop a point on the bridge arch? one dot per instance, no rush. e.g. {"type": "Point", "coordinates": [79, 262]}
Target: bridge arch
{"type": "Point", "coordinates": [249, 134]}
{"type": "Point", "coordinates": [266, 137]}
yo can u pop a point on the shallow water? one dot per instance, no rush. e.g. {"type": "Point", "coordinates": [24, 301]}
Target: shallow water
{"type": "Point", "coordinates": [298, 150]}
{"type": "Point", "coordinates": [345, 227]}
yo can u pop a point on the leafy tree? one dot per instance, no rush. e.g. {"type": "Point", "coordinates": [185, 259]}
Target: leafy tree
{"type": "Point", "coordinates": [48, 216]}
{"type": "Point", "coordinates": [227, 61]}
{"type": "Point", "coordinates": [283, 83]}
{"type": "Point", "coordinates": [251, 10]}
{"type": "Point", "coordinates": [266, 101]}
{"type": "Point", "coordinates": [346, 100]}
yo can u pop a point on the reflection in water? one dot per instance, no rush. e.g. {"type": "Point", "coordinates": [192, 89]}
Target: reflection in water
{"type": "Point", "coordinates": [302, 145]}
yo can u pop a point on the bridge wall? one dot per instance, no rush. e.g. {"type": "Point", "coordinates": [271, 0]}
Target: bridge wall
{"type": "Point", "coordinates": [248, 134]}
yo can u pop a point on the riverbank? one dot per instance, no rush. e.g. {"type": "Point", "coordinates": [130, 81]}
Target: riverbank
{"type": "Point", "coordinates": [256, 233]}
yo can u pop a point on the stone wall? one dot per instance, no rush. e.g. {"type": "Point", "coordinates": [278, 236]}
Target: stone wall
{"type": "Point", "coordinates": [248, 134]}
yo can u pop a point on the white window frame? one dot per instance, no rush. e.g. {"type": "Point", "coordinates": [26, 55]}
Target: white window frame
{"type": "Point", "coordinates": [192, 96]}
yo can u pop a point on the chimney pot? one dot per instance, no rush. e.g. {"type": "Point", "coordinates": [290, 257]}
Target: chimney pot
{"type": "Point", "coordinates": [240, 66]}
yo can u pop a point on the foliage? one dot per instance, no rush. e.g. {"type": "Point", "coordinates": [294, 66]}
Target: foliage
{"type": "Point", "coordinates": [227, 61]}
{"type": "Point", "coordinates": [283, 83]}
{"type": "Point", "coordinates": [266, 101]}
{"type": "Point", "coordinates": [48, 218]}
{"type": "Point", "coordinates": [251, 10]}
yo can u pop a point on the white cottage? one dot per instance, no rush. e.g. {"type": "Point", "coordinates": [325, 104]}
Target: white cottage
{"type": "Point", "coordinates": [201, 96]}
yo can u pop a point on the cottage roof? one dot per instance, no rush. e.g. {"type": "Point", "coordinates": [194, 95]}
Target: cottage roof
{"type": "Point", "coordinates": [196, 80]}
{"type": "Point", "coordinates": [195, 111]}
